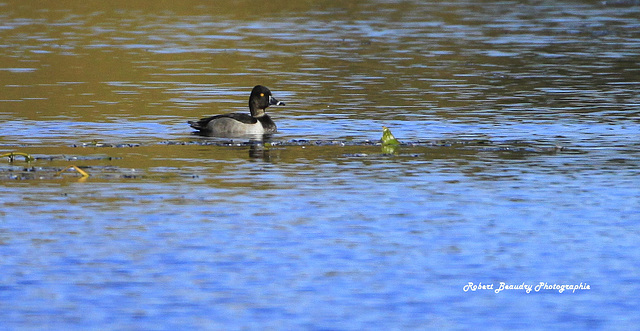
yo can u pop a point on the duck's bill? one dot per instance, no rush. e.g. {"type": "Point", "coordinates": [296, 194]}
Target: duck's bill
{"type": "Point", "coordinates": [274, 102]}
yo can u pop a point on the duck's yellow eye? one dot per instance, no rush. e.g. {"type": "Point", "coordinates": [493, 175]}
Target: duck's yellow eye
{"type": "Point", "coordinates": [261, 94]}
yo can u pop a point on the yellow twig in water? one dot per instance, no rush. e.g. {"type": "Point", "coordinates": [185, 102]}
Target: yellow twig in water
{"type": "Point", "coordinates": [80, 171]}
{"type": "Point", "coordinates": [12, 156]}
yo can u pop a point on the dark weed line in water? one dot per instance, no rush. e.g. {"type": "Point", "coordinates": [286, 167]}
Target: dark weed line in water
{"type": "Point", "coordinates": [390, 146]}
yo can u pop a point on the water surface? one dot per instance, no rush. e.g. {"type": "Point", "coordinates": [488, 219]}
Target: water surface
{"type": "Point", "coordinates": [519, 164]}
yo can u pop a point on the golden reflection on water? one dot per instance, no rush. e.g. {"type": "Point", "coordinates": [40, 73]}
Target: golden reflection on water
{"type": "Point", "coordinates": [131, 72]}
{"type": "Point", "coordinates": [115, 59]}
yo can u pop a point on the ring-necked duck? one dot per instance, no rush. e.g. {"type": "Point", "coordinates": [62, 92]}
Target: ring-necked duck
{"type": "Point", "coordinates": [241, 124]}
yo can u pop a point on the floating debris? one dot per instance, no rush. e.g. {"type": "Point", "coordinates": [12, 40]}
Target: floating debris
{"type": "Point", "coordinates": [76, 157]}
{"type": "Point", "coordinates": [12, 155]}
{"type": "Point", "coordinates": [96, 144]}
{"type": "Point", "coordinates": [80, 171]}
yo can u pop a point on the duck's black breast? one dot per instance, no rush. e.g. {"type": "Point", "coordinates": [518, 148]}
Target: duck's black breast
{"type": "Point", "coordinates": [268, 124]}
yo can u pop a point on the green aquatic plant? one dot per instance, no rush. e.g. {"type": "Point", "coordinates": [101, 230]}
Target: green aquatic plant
{"type": "Point", "coordinates": [388, 138]}
{"type": "Point", "coordinates": [389, 143]}
{"type": "Point", "coordinates": [12, 155]}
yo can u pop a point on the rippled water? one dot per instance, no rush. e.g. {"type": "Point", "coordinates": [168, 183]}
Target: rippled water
{"type": "Point", "coordinates": [519, 164]}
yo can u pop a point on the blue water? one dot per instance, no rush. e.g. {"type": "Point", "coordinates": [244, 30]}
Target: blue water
{"type": "Point", "coordinates": [519, 165]}
{"type": "Point", "coordinates": [344, 243]}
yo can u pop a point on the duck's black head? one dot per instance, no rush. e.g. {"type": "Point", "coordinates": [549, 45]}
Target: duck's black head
{"type": "Point", "coordinates": [260, 99]}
